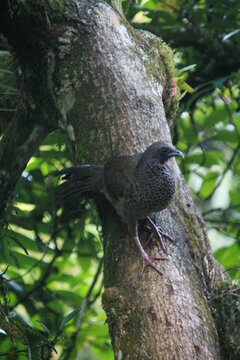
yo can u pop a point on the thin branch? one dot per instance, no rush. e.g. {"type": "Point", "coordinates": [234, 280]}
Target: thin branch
{"type": "Point", "coordinates": [18, 243]}
{"type": "Point", "coordinates": [223, 232]}
{"type": "Point", "coordinates": [228, 167]}
{"type": "Point", "coordinates": [41, 282]}
{"type": "Point", "coordinates": [231, 207]}
{"type": "Point", "coordinates": [211, 211]}
{"type": "Point", "coordinates": [31, 268]}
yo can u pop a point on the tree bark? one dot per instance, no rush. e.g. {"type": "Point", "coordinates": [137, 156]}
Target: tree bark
{"type": "Point", "coordinates": [109, 87]}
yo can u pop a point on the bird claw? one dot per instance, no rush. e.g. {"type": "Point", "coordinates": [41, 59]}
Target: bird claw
{"type": "Point", "coordinates": [158, 232]}
{"type": "Point", "coordinates": [147, 262]}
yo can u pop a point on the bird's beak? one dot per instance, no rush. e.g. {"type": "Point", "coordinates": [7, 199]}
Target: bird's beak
{"type": "Point", "coordinates": [176, 153]}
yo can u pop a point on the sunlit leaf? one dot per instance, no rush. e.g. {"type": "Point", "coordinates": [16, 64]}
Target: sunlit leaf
{"type": "Point", "coordinates": [230, 136]}
{"type": "Point", "coordinates": [208, 184]}
{"type": "Point", "coordinates": [230, 258]}
{"type": "Point", "coordinates": [235, 197]}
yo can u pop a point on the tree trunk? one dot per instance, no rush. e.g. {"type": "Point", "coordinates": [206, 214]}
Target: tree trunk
{"type": "Point", "coordinates": [109, 87]}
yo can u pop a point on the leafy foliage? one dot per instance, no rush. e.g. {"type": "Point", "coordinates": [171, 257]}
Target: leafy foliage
{"type": "Point", "coordinates": [54, 256]}
{"type": "Point", "coordinates": [51, 253]}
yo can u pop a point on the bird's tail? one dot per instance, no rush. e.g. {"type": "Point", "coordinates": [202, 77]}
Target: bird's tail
{"type": "Point", "coordinates": [86, 180]}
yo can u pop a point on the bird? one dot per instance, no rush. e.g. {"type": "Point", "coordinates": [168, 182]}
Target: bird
{"type": "Point", "coordinates": [136, 185]}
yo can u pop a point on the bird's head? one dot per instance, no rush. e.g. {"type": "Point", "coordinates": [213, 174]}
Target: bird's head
{"type": "Point", "coordinates": [162, 151]}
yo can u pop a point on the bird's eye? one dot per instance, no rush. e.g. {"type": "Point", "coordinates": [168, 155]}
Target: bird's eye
{"type": "Point", "coordinates": [164, 150]}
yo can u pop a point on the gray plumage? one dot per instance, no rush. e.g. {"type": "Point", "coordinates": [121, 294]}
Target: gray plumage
{"type": "Point", "coordinates": [136, 185]}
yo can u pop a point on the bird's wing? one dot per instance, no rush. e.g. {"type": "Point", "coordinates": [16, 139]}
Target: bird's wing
{"type": "Point", "coordinates": [119, 174]}
{"type": "Point", "coordinates": [86, 180]}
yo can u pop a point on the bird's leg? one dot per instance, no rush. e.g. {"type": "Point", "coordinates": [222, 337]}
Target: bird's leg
{"type": "Point", "coordinates": [159, 233]}
{"type": "Point", "coordinates": [149, 238]}
{"type": "Point", "coordinates": [147, 260]}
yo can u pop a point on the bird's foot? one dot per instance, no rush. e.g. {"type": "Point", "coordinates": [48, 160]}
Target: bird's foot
{"type": "Point", "coordinates": [147, 261]}
{"type": "Point", "coordinates": [156, 230]}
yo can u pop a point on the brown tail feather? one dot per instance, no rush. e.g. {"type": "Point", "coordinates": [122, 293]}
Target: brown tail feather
{"type": "Point", "coordinates": [86, 180]}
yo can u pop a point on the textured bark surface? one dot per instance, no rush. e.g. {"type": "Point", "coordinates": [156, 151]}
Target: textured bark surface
{"type": "Point", "coordinates": [106, 82]}
{"type": "Point", "coordinates": [121, 108]}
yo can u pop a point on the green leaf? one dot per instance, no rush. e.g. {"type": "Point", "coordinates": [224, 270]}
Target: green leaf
{"type": "Point", "coordinates": [188, 130]}
{"type": "Point", "coordinates": [216, 116]}
{"type": "Point", "coordinates": [237, 122]}
{"type": "Point", "coordinates": [230, 258]}
{"type": "Point", "coordinates": [218, 83]}
{"type": "Point", "coordinates": [85, 263]}
{"type": "Point", "coordinates": [235, 197]}
{"type": "Point", "coordinates": [226, 135]}
{"type": "Point", "coordinates": [206, 159]}
{"type": "Point", "coordinates": [151, 4]}
{"type": "Point", "coordinates": [71, 297]}
{"type": "Point", "coordinates": [183, 85]}
{"type": "Point", "coordinates": [208, 184]}
{"type": "Point", "coordinates": [186, 68]}
{"type": "Point", "coordinates": [69, 317]}
{"type": "Point", "coordinates": [45, 328]}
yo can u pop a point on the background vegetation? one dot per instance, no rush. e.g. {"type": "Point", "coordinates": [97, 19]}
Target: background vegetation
{"type": "Point", "coordinates": [51, 252]}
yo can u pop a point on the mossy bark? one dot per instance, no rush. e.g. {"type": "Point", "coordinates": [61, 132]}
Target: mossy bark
{"type": "Point", "coordinates": [110, 87]}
